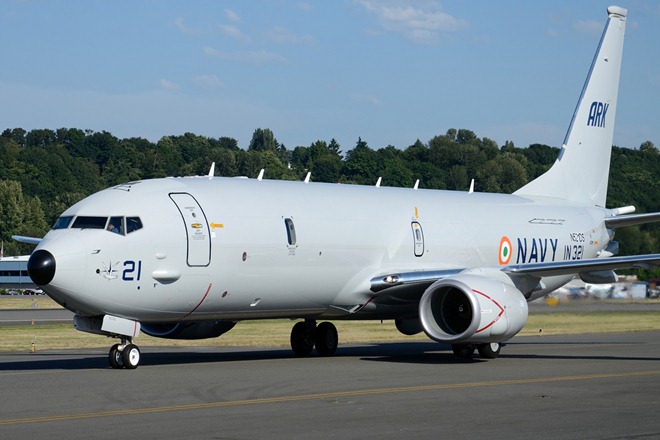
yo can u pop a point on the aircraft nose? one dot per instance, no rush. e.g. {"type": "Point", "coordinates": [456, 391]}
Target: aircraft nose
{"type": "Point", "coordinates": [41, 267]}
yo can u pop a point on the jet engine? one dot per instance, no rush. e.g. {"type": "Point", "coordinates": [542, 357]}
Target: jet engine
{"type": "Point", "coordinates": [187, 330]}
{"type": "Point", "coordinates": [471, 308]}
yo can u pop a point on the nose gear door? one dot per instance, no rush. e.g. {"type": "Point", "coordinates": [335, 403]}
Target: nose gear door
{"type": "Point", "coordinates": [197, 229]}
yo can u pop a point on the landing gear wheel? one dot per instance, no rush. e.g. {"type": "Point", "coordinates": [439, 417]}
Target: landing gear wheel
{"type": "Point", "coordinates": [115, 358]}
{"type": "Point", "coordinates": [463, 351]}
{"type": "Point", "coordinates": [131, 356]}
{"type": "Point", "coordinates": [302, 338]}
{"type": "Point", "coordinates": [326, 339]}
{"type": "Point", "coordinates": [489, 351]}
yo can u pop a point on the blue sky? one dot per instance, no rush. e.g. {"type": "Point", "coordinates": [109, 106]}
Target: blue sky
{"type": "Point", "coordinates": [389, 72]}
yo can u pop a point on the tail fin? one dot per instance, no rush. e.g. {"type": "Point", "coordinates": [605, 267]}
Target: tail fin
{"type": "Point", "coordinates": [581, 170]}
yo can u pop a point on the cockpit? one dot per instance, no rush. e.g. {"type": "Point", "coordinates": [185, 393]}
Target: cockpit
{"type": "Point", "coordinates": [116, 224]}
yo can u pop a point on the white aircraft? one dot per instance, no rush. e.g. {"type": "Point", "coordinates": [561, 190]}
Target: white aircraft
{"type": "Point", "coordinates": [188, 258]}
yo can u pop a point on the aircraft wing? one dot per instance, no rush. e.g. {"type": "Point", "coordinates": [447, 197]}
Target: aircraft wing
{"type": "Point", "coordinates": [589, 265]}
{"type": "Point", "coordinates": [24, 239]}
{"type": "Point", "coordinates": [629, 220]}
{"type": "Point", "coordinates": [407, 286]}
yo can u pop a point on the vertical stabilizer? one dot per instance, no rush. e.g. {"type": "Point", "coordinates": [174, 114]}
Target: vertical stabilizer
{"type": "Point", "coordinates": [581, 170]}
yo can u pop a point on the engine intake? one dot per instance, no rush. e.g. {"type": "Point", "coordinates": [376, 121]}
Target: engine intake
{"type": "Point", "coordinates": [472, 308]}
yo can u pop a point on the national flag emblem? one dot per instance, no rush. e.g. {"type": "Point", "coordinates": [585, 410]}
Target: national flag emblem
{"type": "Point", "coordinates": [505, 250]}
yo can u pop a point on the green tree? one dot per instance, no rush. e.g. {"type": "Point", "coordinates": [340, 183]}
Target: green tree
{"type": "Point", "coordinates": [360, 165]}
{"type": "Point", "coordinates": [19, 215]}
{"type": "Point", "coordinates": [263, 139]}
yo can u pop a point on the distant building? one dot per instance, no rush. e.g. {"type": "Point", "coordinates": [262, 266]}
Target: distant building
{"type": "Point", "coordinates": [13, 273]}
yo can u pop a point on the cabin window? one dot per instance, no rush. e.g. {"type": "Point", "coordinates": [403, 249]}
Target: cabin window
{"type": "Point", "coordinates": [63, 222]}
{"type": "Point", "coordinates": [133, 224]}
{"type": "Point", "coordinates": [290, 231]}
{"type": "Point", "coordinates": [85, 222]}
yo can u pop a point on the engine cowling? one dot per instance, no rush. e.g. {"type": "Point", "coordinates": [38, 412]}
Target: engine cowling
{"type": "Point", "coordinates": [187, 330]}
{"type": "Point", "coordinates": [472, 308]}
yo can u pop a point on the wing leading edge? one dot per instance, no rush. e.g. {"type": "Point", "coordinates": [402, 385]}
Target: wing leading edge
{"type": "Point", "coordinates": [410, 286]}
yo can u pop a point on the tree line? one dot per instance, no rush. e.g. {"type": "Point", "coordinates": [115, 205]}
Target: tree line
{"type": "Point", "coordinates": [43, 172]}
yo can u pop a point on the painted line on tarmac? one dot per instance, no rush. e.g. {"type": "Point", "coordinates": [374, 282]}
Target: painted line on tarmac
{"type": "Point", "coordinates": [320, 396]}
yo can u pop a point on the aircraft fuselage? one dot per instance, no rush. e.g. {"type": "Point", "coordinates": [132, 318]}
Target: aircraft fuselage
{"type": "Point", "coordinates": [236, 249]}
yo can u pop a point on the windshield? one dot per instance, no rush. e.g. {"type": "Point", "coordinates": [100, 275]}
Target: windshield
{"type": "Point", "coordinates": [63, 222]}
{"type": "Point", "coordinates": [116, 224]}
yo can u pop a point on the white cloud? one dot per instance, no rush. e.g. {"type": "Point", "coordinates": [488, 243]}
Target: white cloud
{"type": "Point", "coordinates": [232, 16]}
{"type": "Point", "coordinates": [234, 33]}
{"type": "Point", "coordinates": [281, 35]}
{"type": "Point", "coordinates": [552, 33]}
{"type": "Point", "coordinates": [419, 23]}
{"type": "Point", "coordinates": [183, 27]}
{"type": "Point", "coordinates": [208, 81]}
{"type": "Point", "coordinates": [255, 58]}
{"type": "Point", "coordinates": [168, 85]}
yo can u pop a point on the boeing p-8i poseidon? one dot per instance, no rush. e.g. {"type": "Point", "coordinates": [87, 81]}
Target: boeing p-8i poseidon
{"type": "Point", "coordinates": [188, 258]}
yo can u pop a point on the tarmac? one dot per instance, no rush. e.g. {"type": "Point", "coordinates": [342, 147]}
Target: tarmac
{"type": "Point", "coordinates": [601, 386]}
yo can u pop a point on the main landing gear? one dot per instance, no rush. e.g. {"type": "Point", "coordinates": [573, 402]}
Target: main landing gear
{"type": "Point", "coordinates": [124, 355]}
{"type": "Point", "coordinates": [486, 351]}
{"type": "Point", "coordinates": [307, 335]}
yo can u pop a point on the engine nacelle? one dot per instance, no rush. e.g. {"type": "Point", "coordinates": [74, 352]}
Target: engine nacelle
{"type": "Point", "coordinates": [472, 308]}
{"type": "Point", "coordinates": [188, 330]}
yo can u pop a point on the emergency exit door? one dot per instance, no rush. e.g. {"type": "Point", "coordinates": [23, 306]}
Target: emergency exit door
{"type": "Point", "coordinates": [197, 229]}
{"type": "Point", "coordinates": [418, 239]}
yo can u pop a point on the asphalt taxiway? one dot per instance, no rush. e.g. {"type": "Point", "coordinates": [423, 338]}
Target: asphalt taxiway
{"type": "Point", "coordinates": [604, 386]}
{"type": "Point", "coordinates": [28, 316]}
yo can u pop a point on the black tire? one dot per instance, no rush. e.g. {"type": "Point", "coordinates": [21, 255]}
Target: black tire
{"type": "Point", "coordinates": [326, 339]}
{"type": "Point", "coordinates": [463, 351]}
{"type": "Point", "coordinates": [489, 351]}
{"type": "Point", "coordinates": [302, 339]}
{"type": "Point", "coordinates": [131, 356]}
{"type": "Point", "coordinates": [115, 357]}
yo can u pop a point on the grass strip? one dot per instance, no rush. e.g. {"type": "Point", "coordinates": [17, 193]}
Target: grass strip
{"type": "Point", "coordinates": [275, 333]}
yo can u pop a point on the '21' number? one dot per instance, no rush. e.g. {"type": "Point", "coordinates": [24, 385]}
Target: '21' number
{"type": "Point", "coordinates": [132, 270]}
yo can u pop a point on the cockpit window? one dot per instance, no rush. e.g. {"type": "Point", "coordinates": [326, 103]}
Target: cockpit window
{"type": "Point", "coordinates": [84, 222]}
{"type": "Point", "coordinates": [133, 224]}
{"type": "Point", "coordinates": [63, 222]}
{"type": "Point", "coordinates": [116, 225]}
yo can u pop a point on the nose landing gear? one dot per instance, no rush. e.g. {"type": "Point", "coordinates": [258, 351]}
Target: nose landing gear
{"type": "Point", "coordinates": [124, 355]}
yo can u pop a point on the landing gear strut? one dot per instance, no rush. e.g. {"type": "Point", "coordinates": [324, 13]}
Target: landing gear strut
{"type": "Point", "coordinates": [124, 355]}
{"type": "Point", "coordinates": [306, 335]}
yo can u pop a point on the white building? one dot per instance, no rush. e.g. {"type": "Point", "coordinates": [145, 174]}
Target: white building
{"type": "Point", "coordinates": [13, 273]}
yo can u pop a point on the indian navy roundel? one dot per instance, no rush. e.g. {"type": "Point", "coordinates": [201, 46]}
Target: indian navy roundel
{"type": "Point", "coordinates": [505, 250]}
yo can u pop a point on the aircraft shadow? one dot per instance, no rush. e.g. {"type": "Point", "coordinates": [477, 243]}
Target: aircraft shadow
{"type": "Point", "coordinates": [403, 353]}
{"type": "Point", "coordinates": [154, 356]}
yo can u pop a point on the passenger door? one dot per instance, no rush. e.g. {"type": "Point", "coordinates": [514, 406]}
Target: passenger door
{"type": "Point", "coordinates": [197, 229]}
